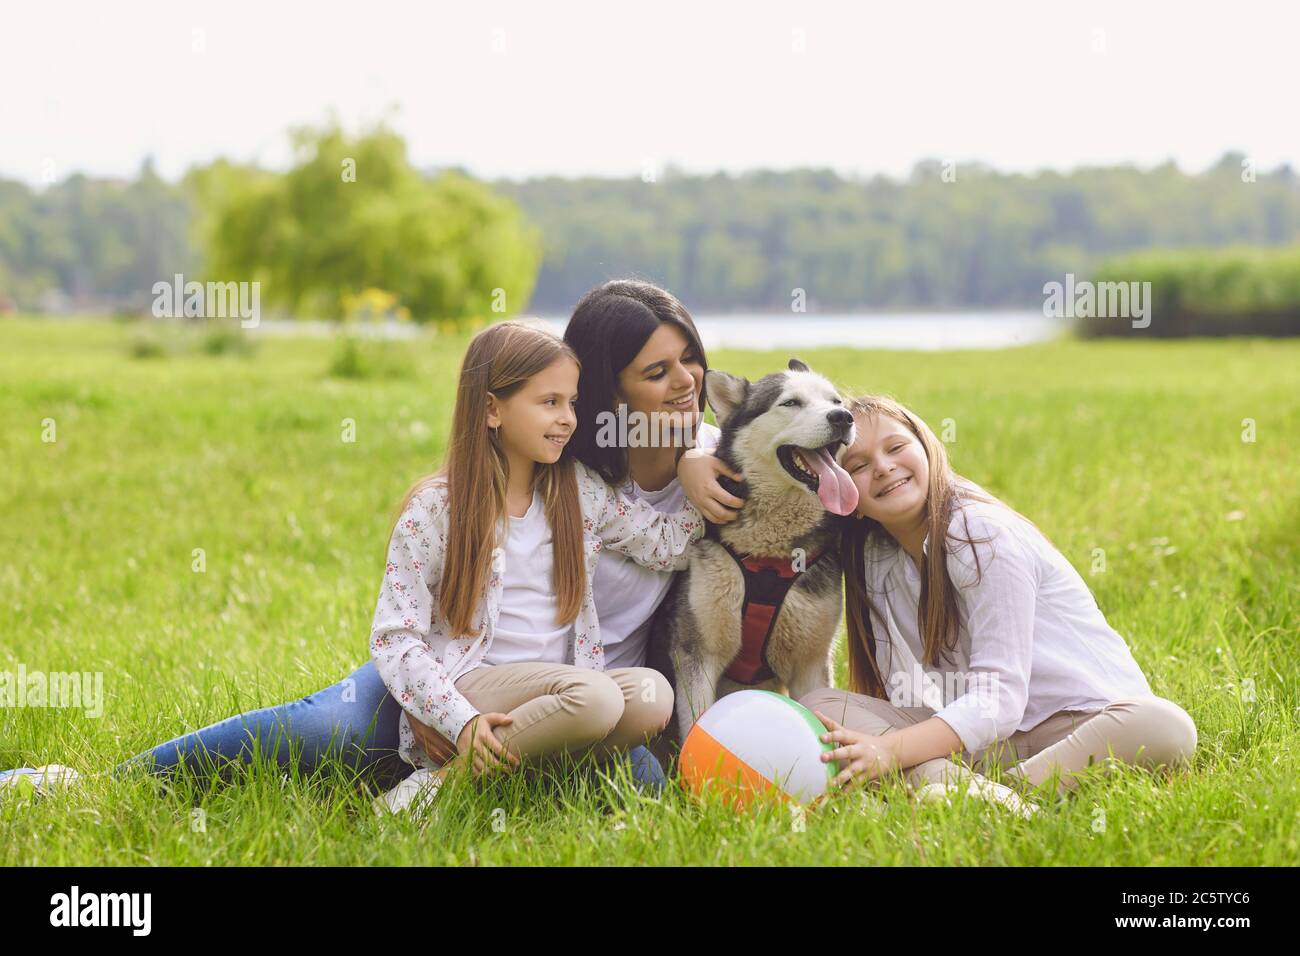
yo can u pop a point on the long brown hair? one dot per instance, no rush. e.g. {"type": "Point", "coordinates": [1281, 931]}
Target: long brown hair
{"type": "Point", "coordinates": [938, 614]}
{"type": "Point", "coordinates": [500, 360]}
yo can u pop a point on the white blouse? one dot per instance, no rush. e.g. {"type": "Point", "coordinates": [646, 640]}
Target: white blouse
{"type": "Point", "coordinates": [627, 594]}
{"type": "Point", "coordinates": [1031, 639]}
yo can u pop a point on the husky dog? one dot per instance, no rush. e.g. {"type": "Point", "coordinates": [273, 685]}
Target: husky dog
{"type": "Point", "coordinates": [760, 603]}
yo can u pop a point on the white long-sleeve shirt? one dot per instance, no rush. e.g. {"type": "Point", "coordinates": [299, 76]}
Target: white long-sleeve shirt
{"type": "Point", "coordinates": [1031, 639]}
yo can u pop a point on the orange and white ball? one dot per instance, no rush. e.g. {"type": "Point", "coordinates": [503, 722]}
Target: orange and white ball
{"type": "Point", "coordinates": [755, 742]}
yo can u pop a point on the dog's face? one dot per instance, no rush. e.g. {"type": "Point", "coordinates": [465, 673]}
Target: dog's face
{"type": "Point", "coordinates": [795, 419]}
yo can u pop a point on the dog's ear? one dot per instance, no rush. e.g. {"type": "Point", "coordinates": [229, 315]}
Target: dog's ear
{"type": "Point", "coordinates": [725, 392]}
{"type": "Point", "coordinates": [797, 366]}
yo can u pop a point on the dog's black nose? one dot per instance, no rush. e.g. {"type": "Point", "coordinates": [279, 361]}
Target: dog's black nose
{"type": "Point", "coordinates": [839, 416]}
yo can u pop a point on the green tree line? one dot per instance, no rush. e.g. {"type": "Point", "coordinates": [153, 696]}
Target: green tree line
{"type": "Point", "coordinates": [930, 241]}
{"type": "Point", "coordinates": [446, 245]}
{"type": "Point", "coordinates": [350, 221]}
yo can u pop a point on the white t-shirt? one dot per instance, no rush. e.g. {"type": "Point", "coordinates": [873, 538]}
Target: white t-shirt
{"type": "Point", "coordinates": [1031, 640]}
{"type": "Point", "coordinates": [526, 629]}
{"type": "Point", "coordinates": [626, 594]}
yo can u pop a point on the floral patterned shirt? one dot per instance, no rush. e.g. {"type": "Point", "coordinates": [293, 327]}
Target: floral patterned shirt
{"type": "Point", "coordinates": [419, 660]}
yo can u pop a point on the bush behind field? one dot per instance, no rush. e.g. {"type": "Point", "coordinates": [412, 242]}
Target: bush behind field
{"type": "Point", "coordinates": [1236, 291]}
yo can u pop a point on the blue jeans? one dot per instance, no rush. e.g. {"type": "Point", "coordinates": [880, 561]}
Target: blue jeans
{"type": "Point", "coordinates": [354, 721]}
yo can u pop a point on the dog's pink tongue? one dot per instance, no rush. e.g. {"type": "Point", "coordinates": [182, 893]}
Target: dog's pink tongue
{"type": "Point", "coordinates": [836, 489]}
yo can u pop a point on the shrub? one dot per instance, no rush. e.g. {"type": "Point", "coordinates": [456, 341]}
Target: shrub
{"type": "Point", "coordinates": [1232, 291]}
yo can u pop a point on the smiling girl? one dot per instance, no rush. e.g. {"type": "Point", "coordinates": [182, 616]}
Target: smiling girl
{"type": "Point", "coordinates": [970, 635]}
{"type": "Point", "coordinates": [486, 631]}
{"type": "Point", "coordinates": [642, 359]}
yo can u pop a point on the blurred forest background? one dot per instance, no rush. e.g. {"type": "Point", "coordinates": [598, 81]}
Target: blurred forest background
{"type": "Point", "coordinates": [352, 214]}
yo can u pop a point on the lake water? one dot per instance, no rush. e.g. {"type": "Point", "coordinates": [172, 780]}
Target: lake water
{"type": "Point", "coordinates": [926, 331]}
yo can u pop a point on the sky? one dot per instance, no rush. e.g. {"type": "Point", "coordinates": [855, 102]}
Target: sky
{"type": "Point", "coordinates": [624, 89]}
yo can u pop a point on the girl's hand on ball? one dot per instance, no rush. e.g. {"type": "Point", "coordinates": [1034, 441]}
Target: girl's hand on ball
{"type": "Point", "coordinates": [862, 757]}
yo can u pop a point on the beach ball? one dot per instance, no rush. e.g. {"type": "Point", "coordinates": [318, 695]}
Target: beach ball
{"type": "Point", "coordinates": [756, 743]}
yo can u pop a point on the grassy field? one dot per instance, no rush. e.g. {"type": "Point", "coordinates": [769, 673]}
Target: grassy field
{"type": "Point", "coordinates": [164, 445]}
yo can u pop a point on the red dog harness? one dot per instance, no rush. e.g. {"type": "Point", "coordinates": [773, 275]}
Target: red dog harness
{"type": "Point", "coordinates": [767, 582]}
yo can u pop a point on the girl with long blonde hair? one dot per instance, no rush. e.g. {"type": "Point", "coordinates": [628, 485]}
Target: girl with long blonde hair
{"type": "Point", "coordinates": [485, 630]}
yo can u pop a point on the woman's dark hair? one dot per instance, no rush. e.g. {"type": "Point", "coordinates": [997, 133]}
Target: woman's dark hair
{"type": "Point", "coordinates": [609, 326]}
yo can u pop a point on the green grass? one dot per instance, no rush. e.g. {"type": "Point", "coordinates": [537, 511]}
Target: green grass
{"type": "Point", "coordinates": [1134, 448]}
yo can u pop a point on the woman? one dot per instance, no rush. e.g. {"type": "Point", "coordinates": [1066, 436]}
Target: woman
{"type": "Point", "coordinates": [971, 635]}
{"type": "Point", "coordinates": [639, 349]}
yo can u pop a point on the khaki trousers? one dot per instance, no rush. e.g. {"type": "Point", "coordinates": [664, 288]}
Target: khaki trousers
{"type": "Point", "coordinates": [1144, 731]}
{"type": "Point", "coordinates": [562, 709]}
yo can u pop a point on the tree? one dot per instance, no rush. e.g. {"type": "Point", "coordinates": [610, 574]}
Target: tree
{"type": "Point", "coordinates": [353, 214]}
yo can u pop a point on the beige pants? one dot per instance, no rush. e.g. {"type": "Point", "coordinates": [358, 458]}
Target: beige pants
{"type": "Point", "coordinates": [1144, 731]}
{"type": "Point", "coordinates": [559, 709]}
